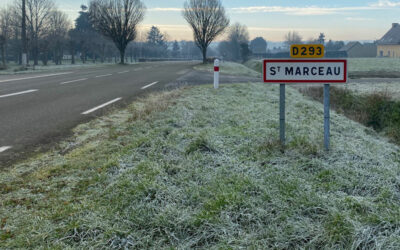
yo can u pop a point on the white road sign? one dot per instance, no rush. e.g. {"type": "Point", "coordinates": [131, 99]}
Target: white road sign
{"type": "Point", "coordinates": [305, 71]}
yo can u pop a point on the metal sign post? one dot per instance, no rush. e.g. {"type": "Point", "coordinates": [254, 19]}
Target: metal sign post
{"type": "Point", "coordinates": [282, 113]}
{"type": "Point", "coordinates": [326, 116]}
{"type": "Point", "coordinates": [317, 71]}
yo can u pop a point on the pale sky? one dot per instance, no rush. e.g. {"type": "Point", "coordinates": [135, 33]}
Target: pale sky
{"type": "Point", "coordinates": [272, 19]}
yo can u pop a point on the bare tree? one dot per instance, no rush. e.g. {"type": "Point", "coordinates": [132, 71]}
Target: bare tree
{"type": "Point", "coordinates": [5, 32]}
{"type": "Point", "coordinates": [117, 20]}
{"type": "Point", "coordinates": [23, 35]}
{"type": "Point", "coordinates": [238, 42]}
{"type": "Point", "coordinates": [293, 37]}
{"type": "Point", "coordinates": [57, 33]}
{"type": "Point", "coordinates": [207, 18]}
{"type": "Point", "coordinates": [38, 12]}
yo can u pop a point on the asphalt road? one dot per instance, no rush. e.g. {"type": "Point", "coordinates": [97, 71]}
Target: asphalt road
{"type": "Point", "coordinates": [38, 109]}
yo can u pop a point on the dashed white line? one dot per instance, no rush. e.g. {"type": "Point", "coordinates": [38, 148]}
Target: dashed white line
{"type": "Point", "coordinates": [19, 93]}
{"type": "Point", "coordinates": [103, 75]}
{"type": "Point", "coordinates": [79, 80]}
{"type": "Point", "coordinates": [102, 106]}
{"type": "Point", "coordinates": [148, 86]}
{"type": "Point", "coordinates": [3, 149]}
{"type": "Point", "coordinates": [123, 72]}
{"type": "Point", "coordinates": [33, 77]}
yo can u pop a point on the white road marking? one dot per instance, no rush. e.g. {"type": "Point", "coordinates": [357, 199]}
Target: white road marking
{"type": "Point", "coordinates": [101, 106]}
{"type": "Point", "coordinates": [33, 77]}
{"type": "Point", "coordinates": [123, 72]}
{"type": "Point", "coordinates": [104, 75]}
{"type": "Point", "coordinates": [19, 93]}
{"type": "Point", "coordinates": [3, 149]}
{"type": "Point", "coordinates": [79, 80]}
{"type": "Point", "coordinates": [148, 86]}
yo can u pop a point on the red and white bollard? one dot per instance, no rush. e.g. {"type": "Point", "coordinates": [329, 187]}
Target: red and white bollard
{"type": "Point", "coordinates": [216, 74]}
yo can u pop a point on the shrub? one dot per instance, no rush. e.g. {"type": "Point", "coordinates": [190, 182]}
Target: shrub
{"type": "Point", "coordinates": [376, 110]}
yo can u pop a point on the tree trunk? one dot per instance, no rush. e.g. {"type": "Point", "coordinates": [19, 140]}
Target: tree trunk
{"type": "Point", "coordinates": [61, 55]}
{"type": "Point", "coordinates": [122, 52]}
{"type": "Point", "coordinates": [35, 52]}
{"type": "Point", "coordinates": [3, 54]}
{"type": "Point", "coordinates": [103, 52]}
{"type": "Point", "coordinates": [35, 56]}
{"type": "Point", "coordinates": [45, 58]}
{"type": "Point", "coordinates": [204, 50]}
{"type": "Point", "coordinates": [72, 54]}
{"type": "Point", "coordinates": [55, 58]}
{"type": "Point", "coordinates": [84, 57]}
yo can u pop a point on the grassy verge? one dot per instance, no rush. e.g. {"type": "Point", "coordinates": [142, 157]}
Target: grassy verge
{"type": "Point", "coordinates": [229, 68]}
{"type": "Point", "coordinates": [200, 168]}
{"type": "Point", "coordinates": [372, 86]}
{"type": "Point", "coordinates": [376, 110]}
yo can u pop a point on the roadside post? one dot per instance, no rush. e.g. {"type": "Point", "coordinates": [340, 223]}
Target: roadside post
{"type": "Point", "coordinates": [326, 116]}
{"type": "Point", "coordinates": [311, 70]}
{"type": "Point", "coordinates": [282, 112]}
{"type": "Point", "coordinates": [216, 74]}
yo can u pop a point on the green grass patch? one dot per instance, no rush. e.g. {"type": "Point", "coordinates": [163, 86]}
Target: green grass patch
{"type": "Point", "coordinates": [203, 168]}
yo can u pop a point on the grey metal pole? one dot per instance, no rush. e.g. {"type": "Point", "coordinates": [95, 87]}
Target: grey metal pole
{"type": "Point", "coordinates": [282, 114]}
{"type": "Point", "coordinates": [326, 116]}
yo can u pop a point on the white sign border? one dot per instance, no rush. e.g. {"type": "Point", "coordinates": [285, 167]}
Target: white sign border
{"type": "Point", "coordinates": [303, 60]}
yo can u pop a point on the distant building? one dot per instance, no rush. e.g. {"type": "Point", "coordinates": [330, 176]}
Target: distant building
{"type": "Point", "coordinates": [356, 49]}
{"type": "Point", "coordinates": [389, 44]}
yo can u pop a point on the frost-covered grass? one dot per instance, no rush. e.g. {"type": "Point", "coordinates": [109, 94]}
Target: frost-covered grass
{"type": "Point", "coordinates": [374, 64]}
{"type": "Point", "coordinates": [358, 67]}
{"type": "Point", "coordinates": [200, 168]}
{"type": "Point", "coordinates": [390, 88]}
{"type": "Point", "coordinates": [255, 65]}
{"type": "Point", "coordinates": [230, 68]}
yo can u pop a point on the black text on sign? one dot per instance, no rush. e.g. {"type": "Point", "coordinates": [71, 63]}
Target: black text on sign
{"type": "Point", "coordinates": [305, 71]}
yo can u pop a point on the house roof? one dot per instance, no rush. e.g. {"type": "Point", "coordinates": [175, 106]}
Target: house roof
{"type": "Point", "coordinates": [392, 37]}
{"type": "Point", "coordinates": [349, 46]}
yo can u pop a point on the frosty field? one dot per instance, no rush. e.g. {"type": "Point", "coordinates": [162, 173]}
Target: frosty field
{"type": "Point", "coordinates": [200, 168]}
{"type": "Point", "coordinates": [358, 67]}
{"type": "Point", "coordinates": [374, 64]}
{"type": "Point", "coordinates": [230, 68]}
{"type": "Point", "coordinates": [390, 88]}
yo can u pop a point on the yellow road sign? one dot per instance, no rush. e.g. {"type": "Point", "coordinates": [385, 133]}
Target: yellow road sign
{"type": "Point", "coordinates": [307, 51]}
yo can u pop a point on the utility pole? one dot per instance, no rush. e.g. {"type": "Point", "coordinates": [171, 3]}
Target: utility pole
{"type": "Point", "coordinates": [23, 36]}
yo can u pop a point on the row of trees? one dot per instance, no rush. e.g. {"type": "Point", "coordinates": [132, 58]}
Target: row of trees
{"type": "Point", "coordinates": [101, 29]}
{"type": "Point", "coordinates": [106, 28]}
{"type": "Point", "coordinates": [44, 23]}
{"type": "Point", "coordinates": [295, 38]}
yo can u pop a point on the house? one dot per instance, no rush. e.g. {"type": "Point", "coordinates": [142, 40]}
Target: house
{"type": "Point", "coordinates": [389, 44]}
{"type": "Point", "coordinates": [356, 49]}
